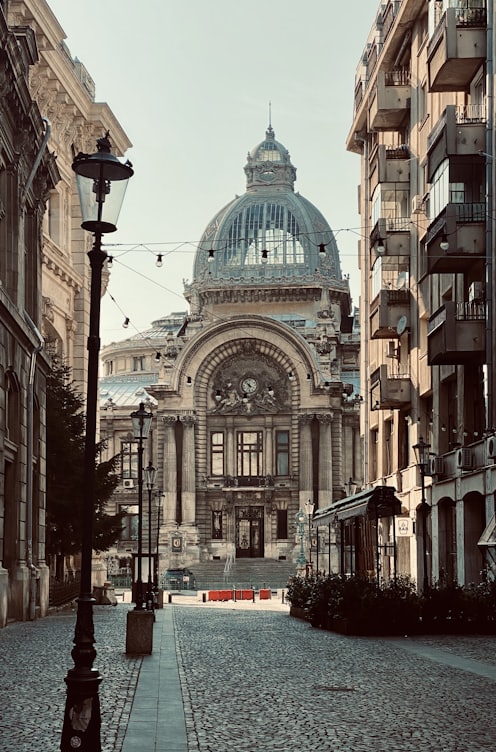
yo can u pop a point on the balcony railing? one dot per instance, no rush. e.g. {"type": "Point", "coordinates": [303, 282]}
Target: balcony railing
{"type": "Point", "coordinates": [398, 77]}
{"type": "Point", "coordinates": [471, 113]}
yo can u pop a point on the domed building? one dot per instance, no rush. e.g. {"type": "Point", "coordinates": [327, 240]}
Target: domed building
{"type": "Point", "coordinates": [255, 404]}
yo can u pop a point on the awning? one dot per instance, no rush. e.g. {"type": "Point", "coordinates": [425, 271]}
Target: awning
{"type": "Point", "coordinates": [488, 537]}
{"type": "Point", "coordinates": [379, 501]}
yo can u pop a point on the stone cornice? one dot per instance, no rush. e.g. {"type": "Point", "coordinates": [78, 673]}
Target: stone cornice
{"type": "Point", "coordinates": [61, 269]}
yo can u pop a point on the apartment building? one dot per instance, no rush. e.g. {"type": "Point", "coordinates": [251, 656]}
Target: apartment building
{"type": "Point", "coordinates": [423, 128]}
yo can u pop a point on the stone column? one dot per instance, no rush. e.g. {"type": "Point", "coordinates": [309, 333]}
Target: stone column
{"type": "Point", "coordinates": [169, 471]}
{"type": "Point", "coordinates": [189, 483]}
{"type": "Point", "coordinates": [306, 463]}
{"type": "Point", "coordinates": [325, 459]}
{"type": "Point", "coordinates": [269, 447]}
{"type": "Point", "coordinates": [230, 468]}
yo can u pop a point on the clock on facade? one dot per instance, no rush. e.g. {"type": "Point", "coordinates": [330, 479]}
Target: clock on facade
{"type": "Point", "coordinates": [249, 385]}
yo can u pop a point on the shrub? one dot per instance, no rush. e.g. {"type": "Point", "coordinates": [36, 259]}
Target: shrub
{"type": "Point", "coordinates": [298, 591]}
{"type": "Point", "coordinates": [359, 605]}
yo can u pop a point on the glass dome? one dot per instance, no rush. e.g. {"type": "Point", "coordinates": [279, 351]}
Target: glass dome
{"type": "Point", "coordinates": [270, 231]}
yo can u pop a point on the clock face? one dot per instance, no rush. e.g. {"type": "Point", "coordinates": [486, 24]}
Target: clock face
{"type": "Point", "coordinates": [249, 385]}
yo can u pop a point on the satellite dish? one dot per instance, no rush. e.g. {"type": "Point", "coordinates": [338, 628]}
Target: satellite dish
{"type": "Point", "coordinates": [401, 325]}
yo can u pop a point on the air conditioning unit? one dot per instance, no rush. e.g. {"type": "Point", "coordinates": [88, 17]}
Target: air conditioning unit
{"type": "Point", "coordinates": [464, 459]}
{"type": "Point", "coordinates": [437, 466]}
{"type": "Point", "coordinates": [128, 483]}
{"type": "Point", "coordinates": [417, 205]}
{"type": "Point", "coordinates": [476, 292]}
{"type": "Point", "coordinates": [491, 447]}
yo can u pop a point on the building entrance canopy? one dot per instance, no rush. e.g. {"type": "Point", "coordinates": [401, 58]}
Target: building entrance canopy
{"type": "Point", "coordinates": [372, 503]}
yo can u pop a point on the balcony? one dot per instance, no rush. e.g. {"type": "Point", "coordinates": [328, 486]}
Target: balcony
{"type": "Point", "coordinates": [456, 334]}
{"type": "Point", "coordinates": [462, 228]}
{"type": "Point", "coordinates": [389, 391]}
{"type": "Point", "coordinates": [391, 237]}
{"type": "Point", "coordinates": [389, 102]}
{"type": "Point", "coordinates": [389, 314]}
{"type": "Point", "coordinates": [392, 164]}
{"type": "Point", "coordinates": [460, 132]}
{"type": "Point", "coordinates": [457, 48]}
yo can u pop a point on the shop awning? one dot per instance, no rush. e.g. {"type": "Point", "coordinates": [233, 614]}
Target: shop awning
{"type": "Point", "coordinates": [488, 537]}
{"type": "Point", "coordinates": [379, 501]}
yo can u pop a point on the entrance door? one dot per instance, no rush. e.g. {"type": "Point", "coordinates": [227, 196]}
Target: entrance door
{"type": "Point", "coordinates": [249, 532]}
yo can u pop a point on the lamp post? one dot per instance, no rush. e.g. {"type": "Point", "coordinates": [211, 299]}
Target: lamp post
{"type": "Point", "coordinates": [101, 181]}
{"type": "Point", "coordinates": [159, 514]}
{"type": "Point", "coordinates": [141, 420]}
{"type": "Point", "coordinates": [309, 507]}
{"type": "Point", "coordinates": [150, 473]}
{"type": "Point", "coordinates": [422, 455]}
{"type": "Point", "coordinates": [301, 562]}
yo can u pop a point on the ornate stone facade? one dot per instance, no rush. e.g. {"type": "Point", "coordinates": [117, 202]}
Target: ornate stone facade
{"type": "Point", "coordinates": [256, 410]}
{"type": "Point", "coordinates": [47, 108]}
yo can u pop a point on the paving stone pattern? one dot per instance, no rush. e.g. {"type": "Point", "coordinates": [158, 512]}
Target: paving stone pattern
{"type": "Point", "coordinates": [34, 659]}
{"type": "Point", "coordinates": [264, 682]}
{"type": "Point", "coordinates": [256, 680]}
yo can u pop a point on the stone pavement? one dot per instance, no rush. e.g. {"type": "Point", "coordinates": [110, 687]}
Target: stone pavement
{"type": "Point", "coordinates": [247, 677]}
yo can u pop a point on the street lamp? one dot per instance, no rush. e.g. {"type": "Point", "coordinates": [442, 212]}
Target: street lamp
{"type": "Point", "coordinates": [101, 181]}
{"type": "Point", "coordinates": [309, 507]}
{"type": "Point", "coordinates": [141, 420]}
{"type": "Point", "coordinates": [159, 514]}
{"type": "Point", "coordinates": [422, 456]}
{"type": "Point", "coordinates": [300, 526]}
{"type": "Point", "coordinates": [150, 473]}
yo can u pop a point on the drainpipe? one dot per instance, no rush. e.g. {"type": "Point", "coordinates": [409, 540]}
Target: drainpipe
{"type": "Point", "coordinates": [490, 282]}
{"type": "Point", "coordinates": [29, 464]}
{"type": "Point", "coordinates": [30, 394]}
{"type": "Point", "coordinates": [365, 320]}
{"type": "Point", "coordinates": [39, 156]}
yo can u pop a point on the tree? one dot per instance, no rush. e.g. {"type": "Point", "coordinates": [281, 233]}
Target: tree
{"type": "Point", "coordinates": [64, 472]}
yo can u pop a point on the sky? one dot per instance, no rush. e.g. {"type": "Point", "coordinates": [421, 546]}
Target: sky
{"type": "Point", "coordinates": [190, 82]}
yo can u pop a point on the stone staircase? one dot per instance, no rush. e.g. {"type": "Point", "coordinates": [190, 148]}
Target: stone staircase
{"type": "Point", "coordinates": [245, 573]}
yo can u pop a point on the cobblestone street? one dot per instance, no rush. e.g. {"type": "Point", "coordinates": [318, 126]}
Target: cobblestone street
{"type": "Point", "coordinates": [264, 682]}
{"type": "Point", "coordinates": [34, 659]}
{"type": "Point", "coordinates": [257, 680]}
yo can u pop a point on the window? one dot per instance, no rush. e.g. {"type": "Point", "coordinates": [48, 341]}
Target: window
{"type": "Point", "coordinates": [129, 459]}
{"type": "Point", "coordinates": [217, 533]}
{"type": "Point", "coordinates": [217, 453]}
{"type": "Point", "coordinates": [249, 453]}
{"type": "Point", "coordinates": [282, 453]}
{"type": "Point", "coordinates": [282, 523]}
{"type": "Point", "coordinates": [139, 363]}
{"type": "Point", "coordinates": [129, 530]}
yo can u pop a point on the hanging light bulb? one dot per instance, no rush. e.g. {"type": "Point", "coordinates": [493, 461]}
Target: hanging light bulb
{"type": "Point", "coordinates": [322, 250]}
{"type": "Point", "coordinates": [380, 248]}
{"type": "Point", "coordinates": [265, 256]}
{"type": "Point", "coordinates": [444, 244]}
{"type": "Point", "coordinates": [158, 357]}
{"type": "Point", "coordinates": [218, 396]}
{"type": "Point", "coordinates": [159, 260]}
{"type": "Point", "coordinates": [126, 323]}
{"type": "Point", "coordinates": [211, 256]}
{"type": "Point", "coordinates": [270, 391]}
{"type": "Point", "coordinates": [110, 262]}
{"type": "Point", "coordinates": [245, 397]}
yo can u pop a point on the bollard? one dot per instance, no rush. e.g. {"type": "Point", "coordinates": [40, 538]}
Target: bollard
{"type": "Point", "coordinates": [169, 599]}
{"type": "Point", "coordinates": [253, 595]}
{"type": "Point", "coordinates": [204, 597]}
{"type": "Point", "coordinates": [282, 596]}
